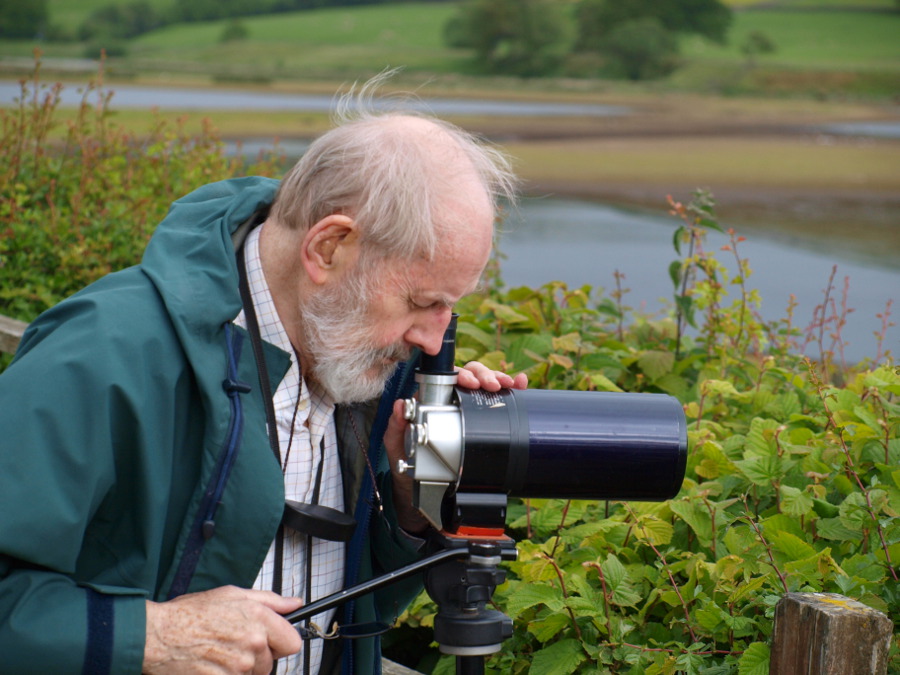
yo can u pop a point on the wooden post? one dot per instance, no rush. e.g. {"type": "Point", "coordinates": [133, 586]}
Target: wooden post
{"type": "Point", "coordinates": [392, 668]}
{"type": "Point", "coordinates": [10, 333]}
{"type": "Point", "coordinates": [828, 634]}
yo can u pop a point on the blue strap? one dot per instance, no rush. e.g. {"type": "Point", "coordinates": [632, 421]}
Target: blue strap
{"type": "Point", "coordinates": [204, 525]}
{"type": "Point", "coordinates": [401, 385]}
{"type": "Point", "coordinates": [100, 633]}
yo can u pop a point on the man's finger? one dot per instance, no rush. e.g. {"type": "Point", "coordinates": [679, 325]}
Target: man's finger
{"type": "Point", "coordinates": [476, 375]}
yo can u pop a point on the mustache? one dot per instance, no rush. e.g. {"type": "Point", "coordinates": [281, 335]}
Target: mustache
{"type": "Point", "coordinates": [397, 352]}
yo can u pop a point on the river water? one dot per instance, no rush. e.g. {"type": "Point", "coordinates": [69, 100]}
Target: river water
{"type": "Point", "coordinates": [168, 98]}
{"type": "Point", "coordinates": [582, 242]}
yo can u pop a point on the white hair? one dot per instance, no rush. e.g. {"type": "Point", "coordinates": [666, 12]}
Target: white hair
{"type": "Point", "coordinates": [389, 170]}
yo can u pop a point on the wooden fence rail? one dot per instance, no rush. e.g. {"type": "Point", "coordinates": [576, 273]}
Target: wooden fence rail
{"type": "Point", "coordinates": [10, 333]}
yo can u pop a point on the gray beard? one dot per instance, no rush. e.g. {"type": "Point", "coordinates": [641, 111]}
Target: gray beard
{"type": "Point", "coordinates": [338, 343]}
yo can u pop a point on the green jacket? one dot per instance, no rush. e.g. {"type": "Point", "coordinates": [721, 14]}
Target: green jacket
{"type": "Point", "coordinates": [123, 448]}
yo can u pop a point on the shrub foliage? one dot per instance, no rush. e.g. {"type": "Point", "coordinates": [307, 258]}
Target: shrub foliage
{"type": "Point", "coordinates": [80, 195]}
{"type": "Point", "coordinates": [792, 480]}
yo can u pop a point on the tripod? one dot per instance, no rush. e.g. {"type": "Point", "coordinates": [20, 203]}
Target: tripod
{"type": "Point", "coordinates": [460, 577]}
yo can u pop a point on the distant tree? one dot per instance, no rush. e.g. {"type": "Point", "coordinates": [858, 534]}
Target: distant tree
{"type": "Point", "coordinates": [233, 31]}
{"type": "Point", "coordinates": [641, 49]}
{"type": "Point", "coordinates": [756, 43]}
{"type": "Point", "coordinates": [638, 39]}
{"type": "Point", "coordinates": [121, 21]}
{"type": "Point", "coordinates": [22, 19]}
{"type": "Point", "coordinates": [515, 37]}
{"type": "Point", "coordinates": [596, 18]}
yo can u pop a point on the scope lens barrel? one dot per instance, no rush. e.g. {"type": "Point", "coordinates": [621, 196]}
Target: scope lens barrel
{"type": "Point", "coordinates": [572, 444]}
{"type": "Point", "coordinates": [442, 363]}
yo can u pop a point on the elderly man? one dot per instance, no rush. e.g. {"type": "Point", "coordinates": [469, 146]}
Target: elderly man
{"type": "Point", "coordinates": [154, 423]}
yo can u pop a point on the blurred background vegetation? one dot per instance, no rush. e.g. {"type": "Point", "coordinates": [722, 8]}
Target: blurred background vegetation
{"type": "Point", "coordinates": [792, 481]}
{"type": "Point", "coordinates": [823, 47]}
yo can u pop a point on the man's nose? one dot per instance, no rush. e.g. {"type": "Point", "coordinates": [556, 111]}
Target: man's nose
{"type": "Point", "coordinates": [428, 333]}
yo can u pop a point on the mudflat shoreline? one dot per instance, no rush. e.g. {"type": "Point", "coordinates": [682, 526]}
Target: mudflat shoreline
{"type": "Point", "coordinates": [769, 164]}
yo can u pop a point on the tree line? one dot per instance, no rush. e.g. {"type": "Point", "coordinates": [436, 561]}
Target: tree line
{"type": "Point", "coordinates": [27, 19]}
{"type": "Point", "coordinates": [634, 39]}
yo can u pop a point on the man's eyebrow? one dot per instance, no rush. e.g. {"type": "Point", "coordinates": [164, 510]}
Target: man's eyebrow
{"type": "Point", "coordinates": [439, 299]}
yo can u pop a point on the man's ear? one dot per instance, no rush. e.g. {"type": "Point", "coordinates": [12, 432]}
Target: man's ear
{"type": "Point", "coordinates": [329, 247]}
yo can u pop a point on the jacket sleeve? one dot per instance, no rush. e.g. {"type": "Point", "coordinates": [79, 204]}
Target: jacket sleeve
{"type": "Point", "coordinates": [49, 624]}
{"type": "Point", "coordinates": [392, 549]}
{"type": "Point", "coordinates": [59, 413]}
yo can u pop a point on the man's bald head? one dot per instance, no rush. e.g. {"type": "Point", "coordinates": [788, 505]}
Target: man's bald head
{"type": "Point", "coordinates": [402, 177]}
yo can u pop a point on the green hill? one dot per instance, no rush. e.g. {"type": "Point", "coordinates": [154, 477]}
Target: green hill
{"type": "Point", "coordinates": [842, 47]}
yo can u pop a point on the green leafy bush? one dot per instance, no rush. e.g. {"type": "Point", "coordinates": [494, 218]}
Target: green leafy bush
{"type": "Point", "coordinates": [80, 195]}
{"type": "Point", "coordinates": [792, 481]}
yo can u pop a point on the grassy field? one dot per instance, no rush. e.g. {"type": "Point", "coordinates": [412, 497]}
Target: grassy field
{"type": "Point", "coordinates": [319, 42]}
{"type": "Point", "coordinates": [72, 13]}
{"type": "Point", "coordinates": [331, 44]}
{"type": "Point", "coordinates": [837, 40]}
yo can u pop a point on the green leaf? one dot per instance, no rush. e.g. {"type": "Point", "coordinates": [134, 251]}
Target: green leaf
{"type": "Point", "coordinates": [676, 238]}
{"type": "Point", "coordinates": [748, 588]}
{"type": "Point", "coordinates": [685, 305]}
{"type": "Point", "coordinates": [617, 583]}
{"type": "Point", "coordinates": [739, 540]}
{"type": "Point", "coordinates": [526, 596]}
{"type": "Point", "coordinates": [792, 546]}
{"type": "Point", "coordinates": [560, 658]}
{"type": "Point", "coordinates": [865, 566]}
{"type": "Point", "coordinates": [710, 224]}
{"type": "Point", "coordinates": [485, 339]}
{"type": "Point", "coordinates": [570, 342]}
{"type": "Point", "coordinates": [835, 530]}
{"type": "Point", "coordinates": [853, 513]}
{"type": "Point", "coordinates": [602, 383]}
{"type": "Point", "coordinates": [657, 532]}
{"type": "Point", "coordinates": [673, 384]}
{"type": "Point", "coordinates": [655, 364]}
{"type": "Point", "coordinates": [524, 348]}
{"type": "Point", "coordinates": [675, 272]}
{"type": "Point", "coordinates": [824, 509]}
{"type": "Point", "coordinates": [582, 586]}
{"type": "Point", "coordinates": [548, 627]}
{"type": "Point", "coordinates": [782, 523]}
{"type": "Point", "coordinates": [761, 470]}
{"type": "Point", "coordinates": [761, 438]}
{"type": "Point", "coordinates": [710, 617]}
{"type": "Point", "coordinates": [755, 660]}
{"type": "Point", "coordinates": [720, 387]}
{"type": "Point", "coordinates": [794, 501]}
{"type": "Point", "coordinates": [696, 516]}
{"type": "Point", "coordinates": [505, 313]}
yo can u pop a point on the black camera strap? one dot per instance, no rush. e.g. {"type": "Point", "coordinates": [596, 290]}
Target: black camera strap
{"type": "Point", "coordinates": [313, 519]}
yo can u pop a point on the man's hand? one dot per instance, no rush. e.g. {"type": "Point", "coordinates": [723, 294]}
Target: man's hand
{"type": "Point", "coordinates": [473, 376]}
{"type": "Point", "coordinates": [478, 376]}
{"type": "Point", "coordinates": [225, 630]}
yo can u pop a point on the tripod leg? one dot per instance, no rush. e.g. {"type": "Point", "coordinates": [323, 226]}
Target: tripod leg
{"type": "Point", "coordinates": [469, 665]}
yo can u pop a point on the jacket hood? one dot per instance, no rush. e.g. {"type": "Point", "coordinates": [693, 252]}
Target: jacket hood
{"type": "Point", "coordinates": [190, 257]}
{"type": "Point", "coordinates": [190, 260]}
